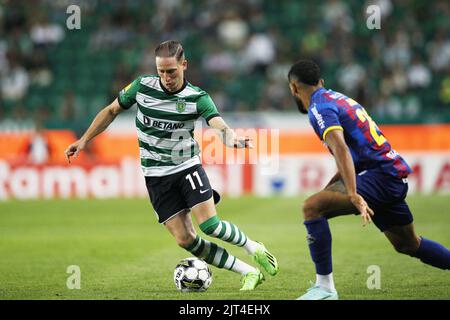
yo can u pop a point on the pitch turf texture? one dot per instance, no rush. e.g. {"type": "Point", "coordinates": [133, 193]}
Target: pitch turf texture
{"type": "Point", "coordinates": [123, 253]}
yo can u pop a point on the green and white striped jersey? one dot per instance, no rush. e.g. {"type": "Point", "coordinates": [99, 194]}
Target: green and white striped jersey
{"type": "Point", "coordinates": [165, 123]}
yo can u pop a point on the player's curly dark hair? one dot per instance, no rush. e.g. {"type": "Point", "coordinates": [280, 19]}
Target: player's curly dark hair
{"type": "Point", "coordinates": [305, 71]}
{"type": "Point", "coordinates": [170, 48]}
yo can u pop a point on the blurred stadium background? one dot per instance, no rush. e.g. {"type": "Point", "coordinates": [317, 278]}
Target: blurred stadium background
{"type": "Point", "coordinates": [54, 80]}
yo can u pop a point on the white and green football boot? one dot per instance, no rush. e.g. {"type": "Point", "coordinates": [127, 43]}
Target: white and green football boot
{"type": "Point", "coordinates": [266, 260]}
{"type": "Point", "coordinates": [251, 280]}
{"type": "Point", "coordinates": [319, 293]}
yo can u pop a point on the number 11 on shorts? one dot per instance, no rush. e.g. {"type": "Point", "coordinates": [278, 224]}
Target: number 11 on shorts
{"type": "Point", "coordinates": [191, 180]}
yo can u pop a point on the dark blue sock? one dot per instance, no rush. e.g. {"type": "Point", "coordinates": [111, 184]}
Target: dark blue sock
{"type": "Point", "coordinates": [434, 254]}
{"type": "Point", "coordinates": [319, 240]}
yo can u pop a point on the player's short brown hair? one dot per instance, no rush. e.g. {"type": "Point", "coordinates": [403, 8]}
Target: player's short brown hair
{"type": "Point", "coordinates": [170, 48]}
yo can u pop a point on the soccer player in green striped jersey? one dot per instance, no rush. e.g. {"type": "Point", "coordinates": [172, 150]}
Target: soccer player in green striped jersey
{"type": "Point", "coordinates": [167, 108]}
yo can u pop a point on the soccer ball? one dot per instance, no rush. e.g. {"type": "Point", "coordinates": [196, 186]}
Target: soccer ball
{"type": "Point", "coordinates": [192, 275]}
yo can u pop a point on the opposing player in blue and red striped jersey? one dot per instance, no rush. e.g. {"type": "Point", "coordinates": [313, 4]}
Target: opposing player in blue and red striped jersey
{"type": "Point", "coordinates": [371, 179]}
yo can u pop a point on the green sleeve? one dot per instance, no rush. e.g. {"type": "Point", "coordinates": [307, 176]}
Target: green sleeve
{"type": "Point", "coordinates": [127, 96]}
{"type": "Point", "coordinates": [206, 108]}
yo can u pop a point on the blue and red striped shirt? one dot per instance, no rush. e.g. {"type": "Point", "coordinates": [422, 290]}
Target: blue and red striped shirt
{"type": "Point", "coordinates": [331, 110]}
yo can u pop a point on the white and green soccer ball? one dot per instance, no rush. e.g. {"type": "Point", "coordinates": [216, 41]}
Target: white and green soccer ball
{"type": "Point", "coordinates": [192, 275]}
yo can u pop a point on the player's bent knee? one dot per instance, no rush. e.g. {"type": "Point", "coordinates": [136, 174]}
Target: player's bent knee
{"type": "Point", "coordinates": [311, 209]}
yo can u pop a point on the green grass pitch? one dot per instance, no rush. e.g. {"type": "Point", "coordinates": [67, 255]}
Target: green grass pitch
{"type": "Point", "coordinates": [123, 253]}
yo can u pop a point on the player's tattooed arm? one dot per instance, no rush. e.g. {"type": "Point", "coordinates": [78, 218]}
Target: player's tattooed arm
{"type": "Point", "coordinates": [335, 141]}
{"type": "Point", "coordinates": [228, 136]}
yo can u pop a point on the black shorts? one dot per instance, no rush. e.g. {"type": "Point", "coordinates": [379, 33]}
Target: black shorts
{"type": "Point", "coordinates": [180, 191]}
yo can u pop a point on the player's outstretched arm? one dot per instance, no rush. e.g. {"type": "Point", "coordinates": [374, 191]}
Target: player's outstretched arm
{"type": "Point", "coordinates": [228, 135]}
{"type": "Point", "coordinates": [101, 121]}
{"type": "Point", "coordinates": [335, 141]}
